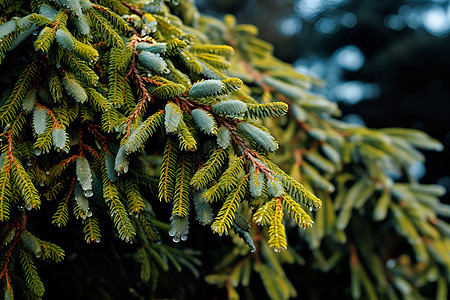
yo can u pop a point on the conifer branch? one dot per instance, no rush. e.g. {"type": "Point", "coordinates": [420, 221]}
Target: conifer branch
{"type": "Point", "coordinates": [95, 129]}
{"type": "Point", "coordinates": [8, 254]}
{"type": "Point", "coordinates": [50, 112]}
{"type": "Point", "coordinates": [134, 73]}
{"type": "Point", "coordinates": [248, 152]}
{"type": "Point", "coordinates": [168, 171]}
{"type": "Point", "coordinates": [9, 108]}
{"type": "Point", "coordinates": [135, 9]}
{"type": "Point", "coordinates": [31, 275]}
{"type": "Point", "coordinates": [61, 216]}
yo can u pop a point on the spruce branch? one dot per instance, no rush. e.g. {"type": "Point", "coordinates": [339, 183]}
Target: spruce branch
{"type": "Point", "coordinates": [12, 245]}
{"type": "Point", "coordinates": [140, 81]}
{"type": "Point", "coordinates": [50, 112]}
{"type": "Point", "coordinates": [248, 152]}
{"type": "Point", "coordinates": [95, 129]}
{"type": "Point", "coordinates": [133, 8]}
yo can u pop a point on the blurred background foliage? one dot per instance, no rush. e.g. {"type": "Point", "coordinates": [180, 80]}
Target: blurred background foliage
{"type": "Point", "coordinates": [386, 62]}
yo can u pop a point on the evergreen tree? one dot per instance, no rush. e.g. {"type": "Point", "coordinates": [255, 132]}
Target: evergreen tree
{"type": "Point", "coordinates": [139, 106]}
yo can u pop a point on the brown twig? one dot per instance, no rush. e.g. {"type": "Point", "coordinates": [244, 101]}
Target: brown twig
{"type": "Point", "coordinates": [95, 129]}
{"type": "Point", "coordinates": [133, 8]}
{"type": "Point", "coordinates": [55, 122]}
{"type": "Point", "coordinates": [5, 272]}
{"type": "Point", "coordinates": [134, 73]}
{"type": "Point", "coordinates": [248, 152]}
{"type": "Point", "coordinates": [10, 145]}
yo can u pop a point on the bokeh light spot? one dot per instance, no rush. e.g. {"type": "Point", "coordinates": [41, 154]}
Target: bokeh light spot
{"type": "Point", "coordinates": [394, 22]}
{"type": "Point", "coordinates": [326, 26]}
{"type": "Point", "coordinates": [290, 26]}
{"type": "Point", "coordinates": [435, 20]}
{"type": "Point", "coordinates": [349, 57]}
{"type": "Point", "coordinates": [349, 20]}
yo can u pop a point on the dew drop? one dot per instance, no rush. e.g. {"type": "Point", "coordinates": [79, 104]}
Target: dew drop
{"type": "Point", "coordinates": [89, 214]}
{"type": "Point", "coordinates": [88, 193]}
{"type": "Point", "coordinates": [28, 206]}
{"type": "Point", "coordinates": [184, 237]}
{"type": "Point", "coordinates": [97, 240]}
{"type": "Point", "coordinates": [253, 250]}
{"type": "Point", "coordinates": [176, 239]}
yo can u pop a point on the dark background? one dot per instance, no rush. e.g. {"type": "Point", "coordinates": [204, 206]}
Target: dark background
{"type": "Point", "coordinates": [386, 62]}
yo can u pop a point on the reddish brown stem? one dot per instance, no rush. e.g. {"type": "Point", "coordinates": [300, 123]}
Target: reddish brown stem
{"type": "Point", "coordinates": [55, 122]}
{"type": "Point", "coordinates": [134, 73]}
{"type": "Point", "coordinates": [96, 131]}
{"type": "Point", "coordinates": [248, 152]}
{"type": "Point", "coordinates": [5, 272]}
{"type": "Point", "coordinates": [133, 8]}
